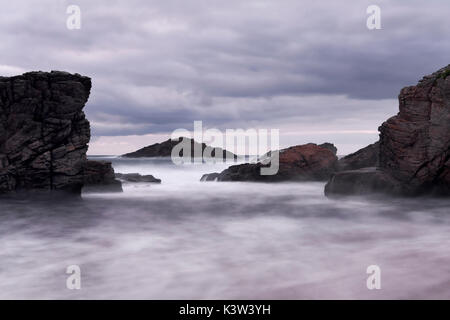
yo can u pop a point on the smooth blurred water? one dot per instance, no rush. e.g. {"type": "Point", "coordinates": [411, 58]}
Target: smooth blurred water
{"type": "Point", "coordinates": [186, 239]}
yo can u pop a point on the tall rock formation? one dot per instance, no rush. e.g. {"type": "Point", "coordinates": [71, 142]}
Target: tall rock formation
{"type": "Point", "coordinates": [414, 154]}
{"type": "Point", "coordinates": [43, 131]}
{"type": "Point", "coordinates": [415, 144]}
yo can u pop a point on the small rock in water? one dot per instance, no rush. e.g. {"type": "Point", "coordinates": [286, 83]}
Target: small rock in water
{"type": "Point", "coordinates": [136, 177]}
{"type": "Point", "coordinates": [210, 177]}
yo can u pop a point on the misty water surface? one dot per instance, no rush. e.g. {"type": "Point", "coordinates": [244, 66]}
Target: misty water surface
{"type": "Point", "coordinates": [186, 239]}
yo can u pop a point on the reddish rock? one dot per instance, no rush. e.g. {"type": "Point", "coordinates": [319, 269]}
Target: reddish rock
{"type": "Point", "coordinates": [329, 146]}
{"type": "Point", "coordinates": [308, 162]}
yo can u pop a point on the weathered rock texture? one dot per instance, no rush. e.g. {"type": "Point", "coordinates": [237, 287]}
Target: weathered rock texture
{"type": "Point", "coordinates": [414, 144]}
{"type": "Point", "coordinates": [99, 176]}
{"type": "Point", "coordinates": [164, 149]}
{"type": "Point", "coordinates": [43, 131]}
{"type": "Point", "coordinates": [308, 162]}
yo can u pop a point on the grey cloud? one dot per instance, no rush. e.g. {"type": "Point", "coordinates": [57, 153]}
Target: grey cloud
{"type": "Point", "coordinates": [160, 65]}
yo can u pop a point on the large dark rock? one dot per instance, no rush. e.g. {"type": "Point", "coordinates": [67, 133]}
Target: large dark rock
{"type": "Point", "coordinates": [308, 162]}
{"type": "Point", "coordinates": [362, 181]}
{"type": "Point", "coordinates": [365, 157]}
{"type": "Point", "coordinates": [43, 131]}
{"type": "Point", "coordinates": [99, 176]}
{"type": "Point", "coordinates": [414, 144]}
{"type": "Point", "coordinates": [164, 149]}
{"type": "Point", "coordinates": [136, 177]}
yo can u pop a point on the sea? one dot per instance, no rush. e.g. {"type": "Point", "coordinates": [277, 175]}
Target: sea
{"type": "Point", "coordinates": [187, 239]}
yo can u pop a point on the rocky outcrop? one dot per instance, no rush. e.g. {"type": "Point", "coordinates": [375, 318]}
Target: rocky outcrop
{"type": "Point", "coordinates": [164, 149]}
{"type": "Point", "coordinates": [329, 146]}
{"type": "Point", "coordinates": [99, 177]}
{"type": "Point", "coordinates": [136, 177]}
{"type": "Point", "coordinates": [43, 131]}
{"type": "Point", "coordinates": [363, 158]}
{"type": "Point", "coordinates": [308, 162]}
{"type": "Point", "coordinates": [414, 144]}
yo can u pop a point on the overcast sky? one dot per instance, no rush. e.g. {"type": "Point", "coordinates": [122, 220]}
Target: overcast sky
{"type": "Point", "coordinates": [309, 68]}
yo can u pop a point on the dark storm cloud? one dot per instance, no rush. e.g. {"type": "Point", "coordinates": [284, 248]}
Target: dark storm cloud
{"type": "Point", "coordinates": [160, 65]}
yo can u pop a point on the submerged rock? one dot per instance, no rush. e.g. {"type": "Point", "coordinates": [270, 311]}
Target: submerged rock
{"type": "Point", "coordinates": [362, 181]}
{"type": "Point", "coordinates": [308, 162]}
{"type": "Point", "coordinates": [414, 144]}
{"type": "Point", "coordinates": [136, 177]}
{"type": "Point", "coordinates": [210, 176]}
{"type": "Point", "coordinates": [43, 131]}
{"type": "Point", "coordinates": [99, 177]}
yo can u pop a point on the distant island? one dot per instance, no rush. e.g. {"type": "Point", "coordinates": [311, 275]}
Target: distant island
{"type": "Point", "coordinates": [164, 149]}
